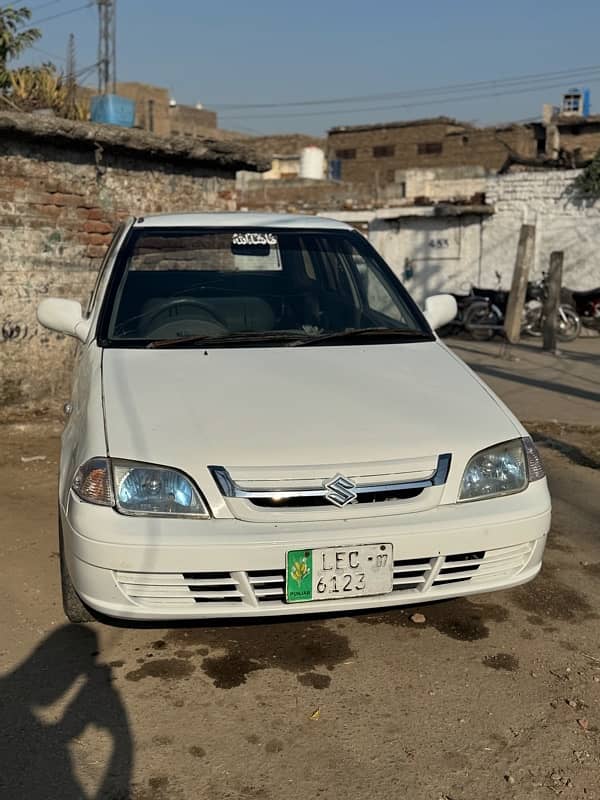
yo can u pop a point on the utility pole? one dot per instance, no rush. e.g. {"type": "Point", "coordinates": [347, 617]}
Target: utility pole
{"type": "Point", "coordinates": [71, 79]}
{"type": "Point", "coordinates": [518, 290]}
{"type": "Point", "coordinates": [107, 46]}
{"type": "Point", "coordinates": [552, 300]}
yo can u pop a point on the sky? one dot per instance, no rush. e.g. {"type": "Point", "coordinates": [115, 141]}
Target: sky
{"type": "Point", "coordinates": [243, 52]}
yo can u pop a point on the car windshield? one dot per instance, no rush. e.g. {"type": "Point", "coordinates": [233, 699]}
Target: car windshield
{"type": "Point", "coordinates": [185, 287]}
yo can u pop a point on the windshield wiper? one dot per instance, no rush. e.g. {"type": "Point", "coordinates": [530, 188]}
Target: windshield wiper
{"type": "Point", "coordinates": [291, 338]}
{"type": "Point", "coordinates": [249, 337]}
{"type": "Point", "coordinates": [361, 334]}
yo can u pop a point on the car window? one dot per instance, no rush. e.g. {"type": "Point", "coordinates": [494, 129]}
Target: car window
{"type": "Point", "coordinates": [181, 283]}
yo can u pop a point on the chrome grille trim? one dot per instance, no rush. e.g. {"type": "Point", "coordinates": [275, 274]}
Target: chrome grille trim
{"type": "Point", "coordinates": [229, 488]}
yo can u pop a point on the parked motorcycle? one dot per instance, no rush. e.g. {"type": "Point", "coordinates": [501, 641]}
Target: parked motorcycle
{"type": "Point", "coordinates": [463, 304]}
{"type": "Point", "coordinates": [485, 317]}
{"type": "Point", "coordinates": [587, 305]}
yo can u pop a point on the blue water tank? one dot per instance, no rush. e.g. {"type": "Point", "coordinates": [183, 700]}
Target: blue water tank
{"type": "Point", "coordinates": [113, 110]}
{"type": "Point", "coordinates": [586, 103]}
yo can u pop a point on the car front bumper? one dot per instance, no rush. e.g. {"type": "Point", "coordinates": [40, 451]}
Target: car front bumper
{"type": "Point", "coordinates": [159, 569]}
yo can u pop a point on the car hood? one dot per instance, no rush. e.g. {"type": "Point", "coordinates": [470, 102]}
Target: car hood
{"type": "Point", "coordinates": [190, 408]}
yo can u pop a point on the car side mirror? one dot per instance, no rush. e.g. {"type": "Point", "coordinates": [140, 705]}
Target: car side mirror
{"type": "Point", "coordinates": [63, 316]}
{"type": "Point", "coordinates": [440, 309]}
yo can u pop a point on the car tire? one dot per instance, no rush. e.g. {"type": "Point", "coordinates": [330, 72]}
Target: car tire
{"type": "Point", "coordinates": [75, 609]}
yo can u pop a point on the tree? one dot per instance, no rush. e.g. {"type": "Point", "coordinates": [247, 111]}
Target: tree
{"type": "Point", "coordinates": [587, 184]}
{"type": "Point", "coordinates": [14, 37]}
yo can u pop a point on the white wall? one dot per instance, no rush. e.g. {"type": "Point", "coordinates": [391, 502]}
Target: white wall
{"type": "Point", "coordinates": [443, 253]}
{"type": "Point", "coordinates": [442, 183]}
{"type": "Point", "coordinates": [450, 253]}
{"type": "Point", "coordinates": [562, 223]}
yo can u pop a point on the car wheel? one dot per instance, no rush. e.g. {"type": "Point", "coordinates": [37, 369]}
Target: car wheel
{"type": "Point", "coordinates": [74, 607]}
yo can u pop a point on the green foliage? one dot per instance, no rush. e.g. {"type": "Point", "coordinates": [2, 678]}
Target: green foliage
{"type": "Point", "coordinates": [587, 184]}
{"type": "Point", "coordinates": [14, 37]}
{"type": "Point", "coordinates": [33, 88]}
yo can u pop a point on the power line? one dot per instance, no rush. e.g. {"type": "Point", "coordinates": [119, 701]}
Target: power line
{"type": "Point", "coordinates": [56, 16]}
{"type": "Point", "coordinates": [572, 73]}
{"type": "Point", "coordinates": [45, 5]}
{"type": "Point", "coordinates": [47, 53]}
{"type": "Point", "coordinates": [81, 73]}
{"type": "Point", "coordinates": [433, 101]}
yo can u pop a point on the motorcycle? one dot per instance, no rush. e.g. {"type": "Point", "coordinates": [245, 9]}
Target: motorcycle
{"type": "Point", "coordinates": [463, 304]}
{"type": "Point", "coordinates": [587, 305]}
{"type": "Point", "coordinates": [485, 316]}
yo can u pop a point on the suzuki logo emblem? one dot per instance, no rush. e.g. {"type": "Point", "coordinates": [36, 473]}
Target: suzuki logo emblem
{"type": "Point", "coordinates": [341, 491]}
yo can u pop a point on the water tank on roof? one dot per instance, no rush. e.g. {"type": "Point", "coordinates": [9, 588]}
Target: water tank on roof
{"type": "Point", "coordinates": [113, 110]}
{"type": "Point", "coordinates": [312, 163]}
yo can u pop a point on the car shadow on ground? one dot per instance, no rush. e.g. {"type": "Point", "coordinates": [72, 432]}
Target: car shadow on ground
{"type": "Point", "coordinates": [46, 704]}
{"type": "Point", "coordinates": [552, 386]}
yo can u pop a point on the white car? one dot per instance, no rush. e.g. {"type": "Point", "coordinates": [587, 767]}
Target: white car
{"type": "Point", "coordinates": [264, 423]}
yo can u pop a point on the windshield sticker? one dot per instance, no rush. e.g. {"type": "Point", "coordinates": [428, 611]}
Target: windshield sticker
{"type": "Point", "coordinates": [254, 238]}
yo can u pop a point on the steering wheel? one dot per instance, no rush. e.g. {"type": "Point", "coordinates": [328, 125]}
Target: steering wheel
{"type": "Point", "coordinates": [172, 327]}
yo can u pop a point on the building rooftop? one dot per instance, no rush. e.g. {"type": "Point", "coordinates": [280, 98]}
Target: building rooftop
{"type": "Point", "coordinates": [400, 124]}
{"type": "Point", "coordinates": [231, 155]}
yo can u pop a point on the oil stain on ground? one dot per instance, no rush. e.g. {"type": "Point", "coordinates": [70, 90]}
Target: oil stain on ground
{"type": "Point", "coordinates": [315, 680]}
{"type": "Point", "coordinates": [165, 668]}
{"type": "Point", "coordinates": [547, 598]}
{"type": "Point", "coordinates": [298, 647]}
{"type": "Point", "coordinates": [592, 569]}
{"type": "Point", "coordinates": [502, 661]}
{"type": "Point", "coordinates": [462, 619]}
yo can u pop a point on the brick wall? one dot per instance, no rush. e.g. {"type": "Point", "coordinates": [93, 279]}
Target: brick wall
{"type": "Point", "coordinates": [191, 121]}
{"type": "Point", "coordinates": [424, 143]}
{"type": "Point", "coordinates": [58, 208]}
{"type": "Point", "coordinates": [584, 136]}
{"type": "Point", "coordinates": [151, 106]}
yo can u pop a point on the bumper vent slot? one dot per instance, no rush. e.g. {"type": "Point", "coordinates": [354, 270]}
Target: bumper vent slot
{"type": "Point", "coordinates": [268, 585]}
{"type": "Point", "coordinates": [172, 589]}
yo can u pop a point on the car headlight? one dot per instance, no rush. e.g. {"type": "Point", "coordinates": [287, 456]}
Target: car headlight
{"type": "Point", "coordinates": [505, 468]}
{"type": "Point", "coordinates": [138, 489]}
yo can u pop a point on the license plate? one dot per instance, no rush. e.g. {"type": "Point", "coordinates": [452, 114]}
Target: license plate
{"type": "Point", "coordinates": [333, 573]}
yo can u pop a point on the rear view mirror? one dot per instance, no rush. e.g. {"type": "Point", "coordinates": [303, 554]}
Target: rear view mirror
{"type": "Point", "coordinates": [63, 316]}
{"type": "Point", "coordinates": [440, 309]}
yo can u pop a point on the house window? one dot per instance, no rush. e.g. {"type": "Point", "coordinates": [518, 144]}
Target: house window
{"type": "Point", "coordinates": [429, 148]}
{"type": "Point", "coordinates": [346, 154]}
{"type": "Point", "coordinates": [572, 103]}
{"type": "Point", "coordinates": [384, 151]}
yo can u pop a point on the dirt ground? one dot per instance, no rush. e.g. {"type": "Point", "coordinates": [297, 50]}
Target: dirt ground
{"type": "Point", "coordinates": [497, 696]}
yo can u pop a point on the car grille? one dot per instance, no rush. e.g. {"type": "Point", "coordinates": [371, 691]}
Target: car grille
{"type": "Point", "coordinates": [316, 502]}
{"type": "Point", "coordinates": [326, 490]}
{"type": "Point", "coordinates": [414, 579]}
{"type": "Point", "coordinates": [175, 589]}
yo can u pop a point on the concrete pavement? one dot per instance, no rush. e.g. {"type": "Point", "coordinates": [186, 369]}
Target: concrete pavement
{"type": "Point", "coordinates": [537, 385]}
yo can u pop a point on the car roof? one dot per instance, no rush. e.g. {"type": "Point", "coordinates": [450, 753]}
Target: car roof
{"type": "Point", "coordinates": [239, 219]}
